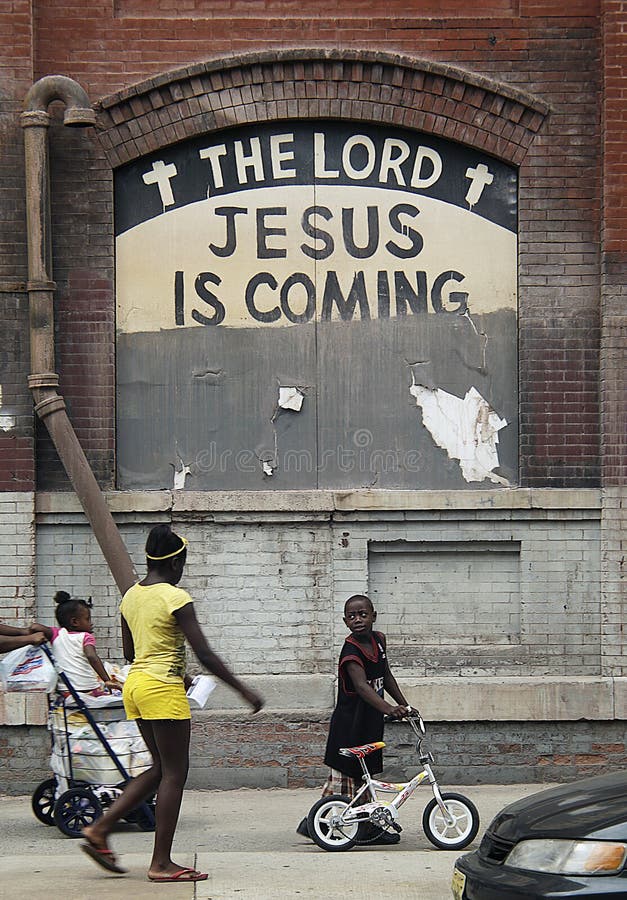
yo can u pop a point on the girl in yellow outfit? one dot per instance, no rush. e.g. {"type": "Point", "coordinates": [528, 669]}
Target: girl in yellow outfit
{"type": "Point", "coordinates": [157, 617]}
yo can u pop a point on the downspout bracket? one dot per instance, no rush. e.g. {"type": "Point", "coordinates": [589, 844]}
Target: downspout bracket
{"type": "Point", "coordinates": [43, 380]}
{"type": "Point", "coordinates": [50, 405]}
{"type": "Point", "coordinates": [35, 117]}
{"type": "Point", "coordinates": [46, 286]}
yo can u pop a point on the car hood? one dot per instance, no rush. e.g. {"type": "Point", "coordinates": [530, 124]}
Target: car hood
{"type": "Point", "coordinates": [594, 807]}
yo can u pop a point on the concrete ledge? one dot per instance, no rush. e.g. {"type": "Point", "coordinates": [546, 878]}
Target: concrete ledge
{"type": "Point", "coordinates": [295, 692]}
{"type": "Point", "coordinates": [450, 699]}
{"type": "Point", "coordinates": [23, 708]}
{"type": "Point", "coordinates": [302, 502]}
{"type": "Point", "coordinates": [620, 698]}
{"type": "Point", "coordinates": [540, 698]}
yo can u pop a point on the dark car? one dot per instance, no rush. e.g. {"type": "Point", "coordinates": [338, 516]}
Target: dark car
{"type": "Point", "coordinates": [566, 842]}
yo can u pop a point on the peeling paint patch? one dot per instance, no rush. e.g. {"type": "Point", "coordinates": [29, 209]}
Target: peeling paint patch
{"type": "Point", "coordinates": [466, 428]}
{"type": "Point", "coordinates": [181, 471]}
{"type": "Point", "coordinates": [291, 398]}
{"type": "Point", "coordinates": [7, 422]}
{"type": "Point", "coordinates": [180, 476]}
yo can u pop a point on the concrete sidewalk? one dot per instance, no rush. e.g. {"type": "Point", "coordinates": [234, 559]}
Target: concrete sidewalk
{"type": "Point", "coordinates": [246, 840]}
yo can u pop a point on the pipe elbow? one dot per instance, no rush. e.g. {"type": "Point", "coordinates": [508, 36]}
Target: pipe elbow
{"type": "Point", "coordinates": [78, 110]}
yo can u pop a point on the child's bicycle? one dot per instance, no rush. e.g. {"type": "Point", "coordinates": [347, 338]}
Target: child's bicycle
{"type": "Point", "coordinates": [450, 821]}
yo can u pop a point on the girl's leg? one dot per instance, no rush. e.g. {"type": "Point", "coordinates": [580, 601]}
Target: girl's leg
{"type": "Point", "coordinates": [137, 790]}
{"type": "Point", "coordinates": [172, 740]}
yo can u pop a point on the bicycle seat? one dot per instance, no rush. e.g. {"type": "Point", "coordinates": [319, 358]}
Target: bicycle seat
{"type": "Point", "coordinates": [362, 751]}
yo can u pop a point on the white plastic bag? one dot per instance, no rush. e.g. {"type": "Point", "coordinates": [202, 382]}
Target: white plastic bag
{"type": "Point", "coordinates": [199, 691]}
{"type": "Point", "coordinates": [92, 763]}
{"type": "Point", "coordinates": [27, 669]}
{"type": "Point", "coordinates": [141, 758]}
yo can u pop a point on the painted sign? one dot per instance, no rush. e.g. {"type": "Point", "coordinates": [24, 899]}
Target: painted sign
{"type": "Point", "coordinates": [316, 304]}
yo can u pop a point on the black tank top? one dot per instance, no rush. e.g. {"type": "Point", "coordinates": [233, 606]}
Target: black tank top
{"type": "Point", "coordinates": [354, 721]}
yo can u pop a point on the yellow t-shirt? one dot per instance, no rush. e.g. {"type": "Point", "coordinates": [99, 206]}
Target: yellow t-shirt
{"type": "Point", "coordinates": [159, 642]}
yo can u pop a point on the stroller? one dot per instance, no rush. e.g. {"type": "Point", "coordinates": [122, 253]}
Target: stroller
{"type": "Point", "coordinates": [91, 761]}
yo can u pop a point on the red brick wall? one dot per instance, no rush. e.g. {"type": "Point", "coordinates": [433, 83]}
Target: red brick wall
{"type": "Point", "coordinates": [613, 379]}
{"type": "Point", "coordinates": [16, 75]}
{"type": "Point", "coordinates": [552, 50]}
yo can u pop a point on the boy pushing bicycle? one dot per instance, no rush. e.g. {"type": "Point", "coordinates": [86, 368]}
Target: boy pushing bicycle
{"type": "Point", "coordinates": [363, 676]}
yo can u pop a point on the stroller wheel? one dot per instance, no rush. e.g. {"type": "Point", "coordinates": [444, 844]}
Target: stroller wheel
{"type": "Point", "coordinates": [42, 801]}
{"type": "Point", "coordinates": [74, 810]}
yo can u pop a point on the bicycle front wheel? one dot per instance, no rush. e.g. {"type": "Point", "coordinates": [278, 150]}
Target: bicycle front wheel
{"type": "Point", "coordinates": [325, 825]}
{"type": "Point", "coordinates": [456, 833]}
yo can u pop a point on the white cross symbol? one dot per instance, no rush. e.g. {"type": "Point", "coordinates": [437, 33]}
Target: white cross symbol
{"type": "Point", "coordinates": [479, 177]}
{"type": "Point", "coordinates": [160, 176]}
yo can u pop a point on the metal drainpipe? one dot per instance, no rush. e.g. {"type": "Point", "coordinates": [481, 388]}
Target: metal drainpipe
{"type": "Point", "coordinates": [49, 405]}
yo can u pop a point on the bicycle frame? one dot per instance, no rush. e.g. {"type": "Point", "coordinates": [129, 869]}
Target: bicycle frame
{"type": "Point", "coordinates": [358, 811]}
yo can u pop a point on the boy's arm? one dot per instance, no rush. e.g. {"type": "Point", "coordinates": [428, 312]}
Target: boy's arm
{"type": "Point", "coordinates": [390, 684]}
{"type": "Point", "coordinates": [369, 695]}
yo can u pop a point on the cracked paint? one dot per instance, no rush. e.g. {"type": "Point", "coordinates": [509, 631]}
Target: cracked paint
{"type": "Point", "coordinates": [467, 429]}
{"type": "Point", "coordinates": [290, 398]}
{"type": "Point", "coordinates": [209, 376]}
{"type": "Point", "coordinates": [480, 334]}
{"type": "Point", "coordinates": [269, 460]}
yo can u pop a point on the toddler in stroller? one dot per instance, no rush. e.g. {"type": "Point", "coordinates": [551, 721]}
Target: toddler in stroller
{"type": "Point", "coordinates": [74, 646]}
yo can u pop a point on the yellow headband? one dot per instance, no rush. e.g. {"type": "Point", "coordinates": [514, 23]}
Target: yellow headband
{"type": "Point", "coordinates": [174, 553]}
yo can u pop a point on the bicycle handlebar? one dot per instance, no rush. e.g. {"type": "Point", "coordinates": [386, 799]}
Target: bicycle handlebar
{"type": "Point", "coordinates": [414, 720]}
{"type": "Point", "coordinates": [411, 714]}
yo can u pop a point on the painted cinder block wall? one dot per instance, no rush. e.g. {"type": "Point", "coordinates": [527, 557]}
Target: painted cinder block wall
{"type": "Point", "coordinates": [569, 60]}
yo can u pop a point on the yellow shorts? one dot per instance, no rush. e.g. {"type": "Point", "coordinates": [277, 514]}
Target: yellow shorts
{"type": "Point", "coordinates": [146, 697]}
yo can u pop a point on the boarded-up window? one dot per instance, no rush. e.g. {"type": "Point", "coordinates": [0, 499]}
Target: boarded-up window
{"type": "Point", "coordinates": [316, 305]}
{"type": "Point", "coordinates": [448, 606]}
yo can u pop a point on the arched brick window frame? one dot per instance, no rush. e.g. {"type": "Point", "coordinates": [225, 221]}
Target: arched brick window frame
{"type": "Point", "coordinates": [313, 84]}
{"type": "Point", "coordinates": [422, 95]}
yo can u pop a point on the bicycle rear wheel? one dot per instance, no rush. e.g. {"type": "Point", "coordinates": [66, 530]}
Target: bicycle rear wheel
{"type": "Point", "coordinates": [325, 825]}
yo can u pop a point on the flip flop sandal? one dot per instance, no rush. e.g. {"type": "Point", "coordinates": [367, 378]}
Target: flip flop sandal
{"type": "Point", "coordinates": [181, 875]}
{"type": "Point", "coordinates": [103, 857]}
